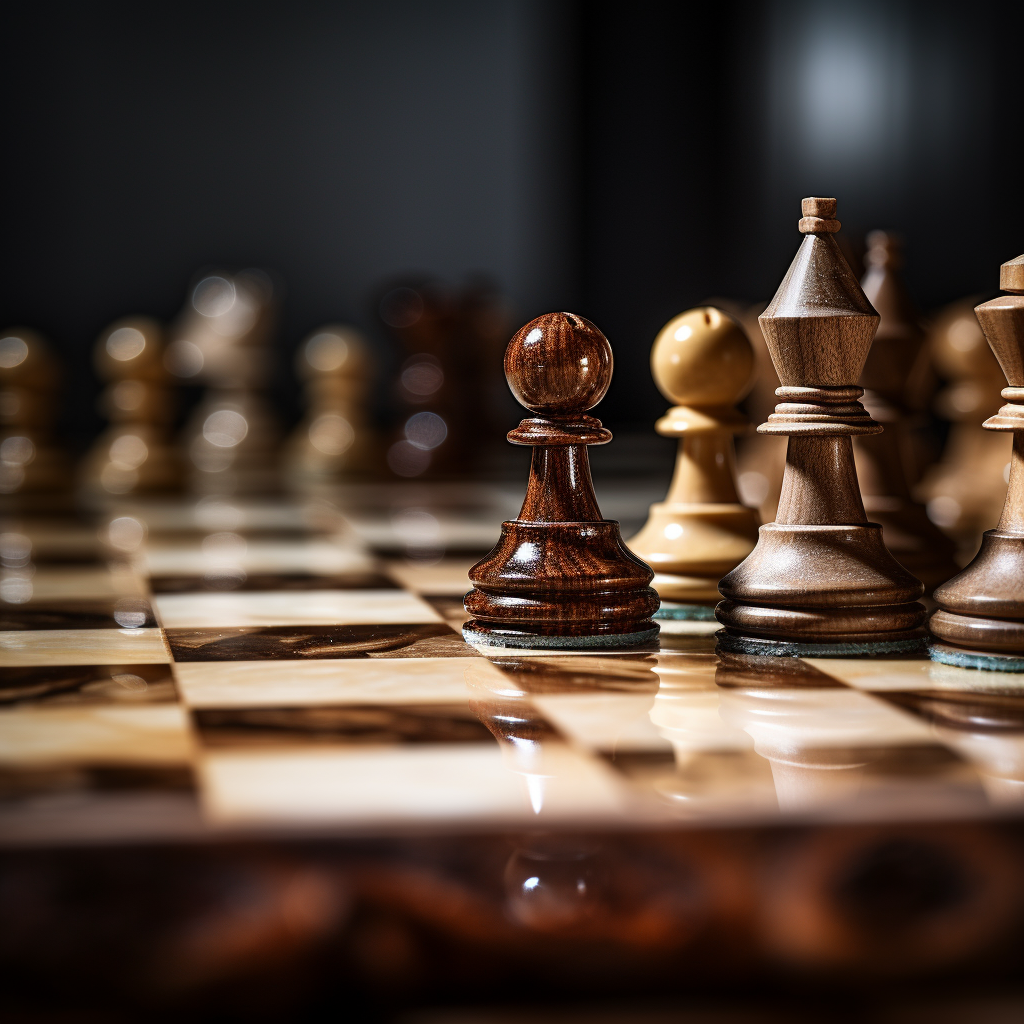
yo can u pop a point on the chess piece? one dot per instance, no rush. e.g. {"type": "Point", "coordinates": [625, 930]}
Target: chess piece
{"type": "Point", "coordinates": [701, 361]}
{"type": "Point", "coordinates": [452, 343]}
{"type": "Point", "coordinates": [965, 490]}
{"type": "Point", "coordinates": [134, 455]}
{"type": "Point", "coordinates": [560, 575]}
{"type": "Point", "coordinates": [918, 545]}
{"type": "Point", "coordinates": [334, 441]}
{"type": "Point", "coordinates": [30, 462]}
{"type": "Point", "coordinates": [981, 610]}
{"type": "Point", "coordinates": [221, 340]}
{"type": "Point", "coordinates": [820, 580]}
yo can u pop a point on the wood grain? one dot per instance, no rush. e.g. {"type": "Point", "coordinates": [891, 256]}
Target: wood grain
{"type": "Point", "coordinates": [560, 569]}
{"type": "Point", "coordinates": [821, 572]}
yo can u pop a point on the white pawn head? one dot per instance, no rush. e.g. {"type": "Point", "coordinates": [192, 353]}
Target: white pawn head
{"type": "Point", "coordinates": [703, 358]}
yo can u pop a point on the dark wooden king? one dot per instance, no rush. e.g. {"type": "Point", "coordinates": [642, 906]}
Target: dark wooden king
{"type": "Point", "coordinates": [981, 610]}
{"type": "Point", "coordinates": [560, 575]}
{"type": "Point", "coordinates": [820, 579]}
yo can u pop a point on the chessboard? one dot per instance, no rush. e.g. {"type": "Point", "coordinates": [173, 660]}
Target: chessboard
{"type": "Point", "coordinates": [215, 668]}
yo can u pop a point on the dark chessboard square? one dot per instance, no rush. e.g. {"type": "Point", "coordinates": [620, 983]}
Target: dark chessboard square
{"type": "Point", "coordinates": [111, 613]}
{"type": "Point", "coordinates": [214, 582]}
{"type": "Point", "coordinates": [254, 643]}
{"type": "Point", "coordinates": [356, 724]}
{"type": "Point", "coordinates": [66, 685]}
{"type": "Point", "coordinates": [19, 783]}
{"type": "Point", "coordinates": [627, 673]}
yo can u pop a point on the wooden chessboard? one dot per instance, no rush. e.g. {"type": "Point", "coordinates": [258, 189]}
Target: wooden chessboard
{"type": "Point", "coordinates": [173, 670]}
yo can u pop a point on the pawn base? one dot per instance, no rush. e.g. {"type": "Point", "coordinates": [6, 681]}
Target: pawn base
{"type": "Point", "coordinates": [733, 644]}
{"type": "Point", "coordinates": [985, 660]}
{"type": "Point", "coordinates": [479, 634]}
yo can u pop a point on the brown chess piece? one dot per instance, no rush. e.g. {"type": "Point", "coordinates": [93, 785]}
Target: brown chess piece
{"type": "Point", "coordinates": [908, 533]}
{"type": "Point", "coordinates": [965, 490]}
{"type": "Point", "coordinates": [981, 610]}
{"type": "Point", "coordinates": [820, 580]}
{"type": "Point", "coordinates": [560, 575]}
{"type": "Point", "coordinates": [335, 440]}
{"type": "Point", "coordinates": [134, 455]}
{"type": "Point", "coordinates": [703, 362]}
{"type": "Point", "coordinates": [30, 462]}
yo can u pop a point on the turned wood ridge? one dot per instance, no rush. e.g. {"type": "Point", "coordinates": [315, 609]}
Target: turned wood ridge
{"type": "Point", "coordinates": [820, 574]}
{"type": "Point", "coordinates": [560, 570]}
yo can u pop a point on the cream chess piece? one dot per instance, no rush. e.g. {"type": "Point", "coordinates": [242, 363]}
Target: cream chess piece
{"type": "Point", "coordinates": [702, 361]}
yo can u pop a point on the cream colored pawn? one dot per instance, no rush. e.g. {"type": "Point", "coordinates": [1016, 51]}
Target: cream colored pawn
{"type": "Point", "coordinates": [702, 361]}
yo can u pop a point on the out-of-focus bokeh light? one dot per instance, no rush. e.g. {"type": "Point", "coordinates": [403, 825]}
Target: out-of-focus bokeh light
{"type": "Point", "coordinates": [421, 377]}
{"type": "Point", "coordinates": [331, 434]}
{"type": "Point", "coordinates": [125, 534]}
{"type": "Point", "coordinates": [326, 352]}
{"type": "Point", "coordinates": [184, 358]}
{"type": "Point", "coordinates": [425, 430]}
{"type": "Point", "coordinates": [125, 343]}
{"type": "Point", "coordinates": [131, 613]}
{"type": "Point", "coordinates": [405, 459]}
{"type": "Point", "coordinates": [13, 352]}
{"type": "Point", "coordinates": [225, 428]}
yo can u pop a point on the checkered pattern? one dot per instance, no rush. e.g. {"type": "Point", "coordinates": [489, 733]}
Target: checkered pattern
{"type": "Point", "coordinates": [269, 677]}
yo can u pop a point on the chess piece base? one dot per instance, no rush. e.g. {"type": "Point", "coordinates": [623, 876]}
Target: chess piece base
{"type": "Point", "coordinates": [821, 584]}
{"type": "Point", "coordinates": [481, 634]}
{"type": "Point", "coordinates": [561, 580]}
{"type": "Point", "coordinates": [732, 643]}
{"type": "Point", "coordinates": [990, 661]}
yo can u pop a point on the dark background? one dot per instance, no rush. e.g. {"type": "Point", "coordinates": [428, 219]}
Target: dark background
{"type": "Point", "coordinates": [624, 161]}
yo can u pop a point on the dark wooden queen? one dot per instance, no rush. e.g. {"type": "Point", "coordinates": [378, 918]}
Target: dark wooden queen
{"type": "Point", "coordinates": [560, 576]}
{"type": "Point", "coordinates": [820, 579]}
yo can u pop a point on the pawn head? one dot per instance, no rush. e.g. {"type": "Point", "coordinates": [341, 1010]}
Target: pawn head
{"type": "Point", "coordinates": [559, 365]}
{"type": "Point", "coordinates": [703, 357]}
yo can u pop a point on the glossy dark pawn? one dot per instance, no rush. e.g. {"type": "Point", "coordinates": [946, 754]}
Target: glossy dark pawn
{"type": "Point", "coordinates": [560, 575]}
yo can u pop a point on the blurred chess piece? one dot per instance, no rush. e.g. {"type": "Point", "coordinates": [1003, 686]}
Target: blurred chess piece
{"type": "Point", "coordinates": [221, 339]}
{"type": "Point", "coordinates": [450, 382]}
{"type": "Point", "coordinates": [918, 544]}
{"type": "Point", "coordinates": [964, 492]}
{"type": "Point", "coordinates": [30, 462]}
{"type": "Point", "coordinates": [703, 362]}
{"type": "Point", "coordinates": [134, 455]}
{"type": "Point", "coordinates": [335, 439]}
{"type": "Point", "coordinates": [760, 458]}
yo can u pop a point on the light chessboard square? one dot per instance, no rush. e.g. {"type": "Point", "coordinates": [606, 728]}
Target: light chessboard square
{"type": "Point", "coordinates": [82, 647]}
{"type": "Point", "coordinates": [254, 684]}
{"type": "Point", "coordinates": [292, 608]}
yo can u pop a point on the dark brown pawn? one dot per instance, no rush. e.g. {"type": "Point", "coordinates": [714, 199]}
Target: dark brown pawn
{"type": "Point", "coordinates": [981, 611]}
{"type": "Point", "coordinates": [560, 575]}
{"type": "Point", "coordinates": [820, 579]}
{"type": "Point", "coordinates": [918, 544]}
